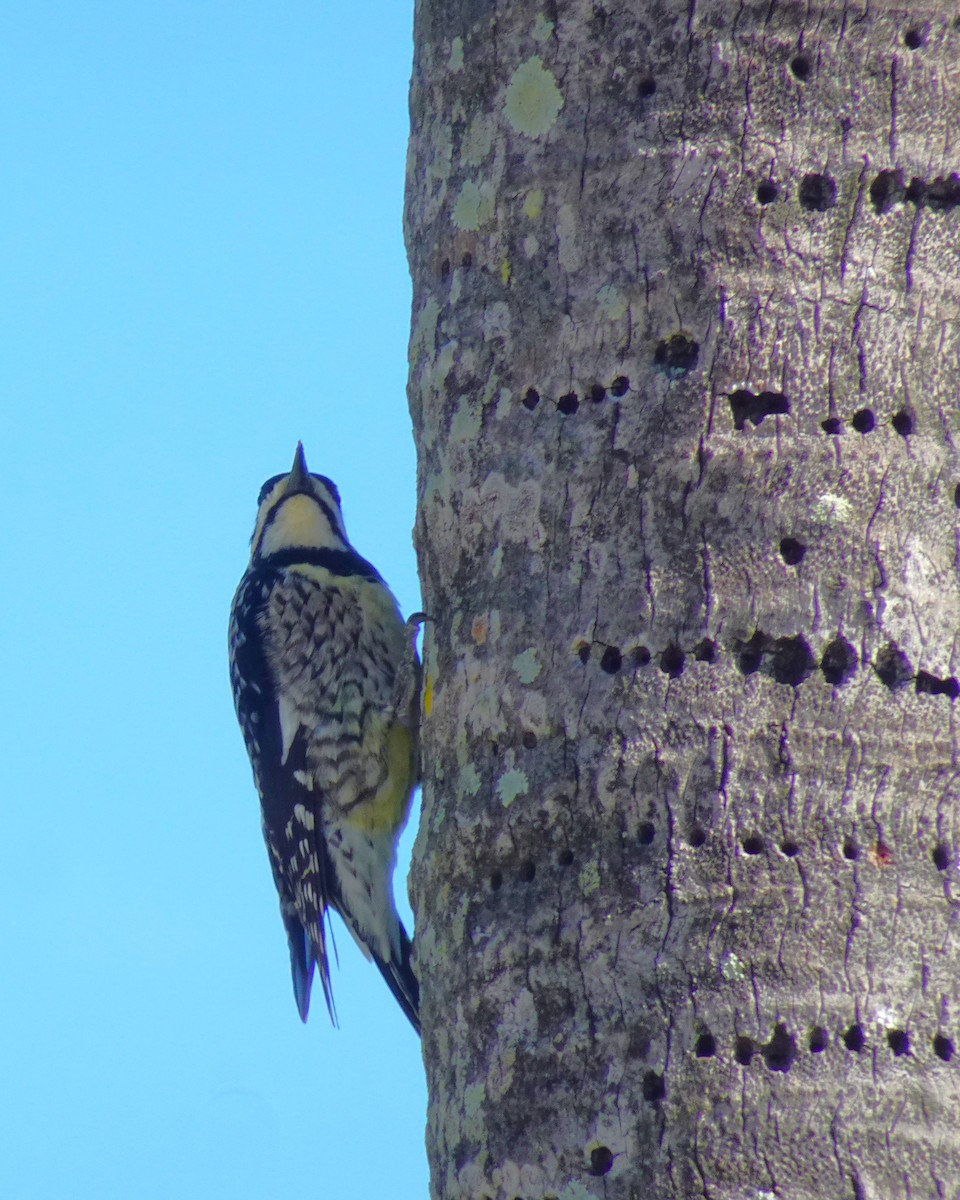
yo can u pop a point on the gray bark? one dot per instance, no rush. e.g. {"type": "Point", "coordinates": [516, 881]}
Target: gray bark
{"type": "Point", "coordinates": [684, 379]}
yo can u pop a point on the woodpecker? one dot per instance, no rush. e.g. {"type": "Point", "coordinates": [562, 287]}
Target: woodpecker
{"type": "Point", "coordinates": [326, 683]}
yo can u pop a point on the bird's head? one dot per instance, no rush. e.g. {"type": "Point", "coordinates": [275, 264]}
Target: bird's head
{"type": "Point", "coordinates": [298, 510]}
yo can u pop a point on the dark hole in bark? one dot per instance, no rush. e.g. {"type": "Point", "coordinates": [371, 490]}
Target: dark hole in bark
{"type": "Point", "coordinates": [620, 386]}
{"type": "Point", "coordinates": [851, 851]}
{"type": "Point", "coordinates": [801, 66]}
{"type": "Point", "coordinates": [611, 661]}
{"type": "Point", "coordinates": [750, 654]}
{"type": "Point", "coordinates": [467, 261]}
{"type": "Point", "coordinates": [956, 495]}
{"type": "Point", "coordinates": [601, 1160]}
{"type": "Point", "coordinates": [705, 651]}
{"type": "Point", "coordinates": [568, 404]}
{"type": "Point", "coordinates": [527, 872]}
{"type": "Point", "coordinates": [671, 661]}
{"type": "Point", "coordinates": [646, 88]}
{"type": "Point", "coordinates": [818, 1040]}
{"type": "Point", "coordinates": [941, 856]}
{"type": "Point", "coordinates": [646, 833]}
{"type": "Point", "coordinates": [791, 661]}
{"type": "Point", "coordinates": [496, 880]}
{"type": "Point", "coordinates": [913, 39]}
{"type": "Point", "coordinates": [767, 192]}
{"type": "Point", "coordinates": [781, 1050]}
{"type": "Point", "coordinates": [743, 1051]}
{"type": "Point", "coordinates": [817, 193]}
{"type": "Point", "coordinates": [930, 685]}
{"type": "Point", "coordinates": [899, 1041]}
{"type": "Point", "coordinates": [746, 406]}
{"type": "Point", "coordinates": [902, 422]}
{"type": "Point", "coordinates": [831, 425]}
{"type": "Point", "coordinates": [445, 268]}
{"type": "Point", "coordinates": [565, 858]}
{"type": "Point", "coordinates": [705, 1046]}
{"type": "Point", "coordinates": [676, 355]}
{"type": "Point", "coordinates": [640, 655]}
{"type": "Point", "coordinates": [943, 194]}
{"type": "Point", "coordinates": [853, 1038]}
{"type": "Point", "coordinates": [863, 420]}
{"type": "Point", "coordinates": [893, 667]}
{"type": "Point", "coordinates": [752, 844]}
{"type": "Point", "coordinates": [789, 848]}
{"type": "Point", "coordinates": [839, 662]}
{"type": "Point", "coordinates": [696, 837]}
{"type": "Point", "coordinates": [943, 1047]}
{"type": "Point", "coordinates": [531, 398]}
{"type": "Point", "coordinates": [654, 1088]}
{"type": "Point", "coordinates": [916, 191]}
{"type": "Point", "coordinates": [529, 740]}
{"type": "Point", "coordinates": [598, 393]}
{"type": "Point", "coordinates": [886, 190]}
{"type": "Point", "coordinates": [792, 551]}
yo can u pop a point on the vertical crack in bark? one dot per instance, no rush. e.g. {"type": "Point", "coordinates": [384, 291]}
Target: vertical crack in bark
{"type": "Point", "coordinates": [892, 140]}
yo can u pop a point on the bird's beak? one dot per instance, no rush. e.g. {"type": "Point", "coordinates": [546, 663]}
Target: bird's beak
{"type": "Point", "coordinates": [299, 478]}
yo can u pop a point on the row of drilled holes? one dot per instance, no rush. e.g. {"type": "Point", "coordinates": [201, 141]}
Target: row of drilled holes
{"type": "Point", "coordinates": [780, 1052]}
{"type": "Point", "coordinates": [752, 844]}
{"type": "Point", "coordinates": [755, 406]}
{"type": "Point", "coordinates": [801, 65]}
{"type": "Point", "coordinates": [674, 356]}
{"type": "Point", "coordinates": [787, 660]}
{"type": "Point", "coordinates": [779, 1055]}
{"type": "Point", "coordinates": [678, 354]}
{"type": "Point", "coordinates": [818, 192]}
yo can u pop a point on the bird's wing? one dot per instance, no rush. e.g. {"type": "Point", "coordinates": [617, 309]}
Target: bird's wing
{"type": "Point", "coordinates": [276, 743]}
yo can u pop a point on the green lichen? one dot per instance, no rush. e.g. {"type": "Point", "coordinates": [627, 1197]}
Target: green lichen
{"type": "Point", "coordinates": [465, 426]}
{"type": "Point", "coordinates": [474, 1115]}
{"type": "Point", "coordinates": [511, 785]}
{"type": "Point", "coordinates": [533, 203]}
{"type": "Point", "coordinates": [425, 329]}
{"type": "Point", "coordinates": [612, 302]}
{"type": "Point", "coordinates": [526, 666]}
{"type": "Point", "coordinates": [831, 509]}
{"type": "Point", "coordinates": [542, 28]}
{"type": "Point", "coordinates": [533, 100]}
{"type": "Point", "coordinates": [438, 169]}
{"type": "Point", "coordinates": [732, 968]}
{"type": "Point", "coordinates": [589, 878]}
{"type": "Point", "coordinates": [478, 141]}
{"type": "Point", "coordinates": [469, 780]}
{"type": "Point", "coordinates": [473, 206]}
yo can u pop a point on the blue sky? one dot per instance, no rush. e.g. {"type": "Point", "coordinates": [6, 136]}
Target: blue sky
{"type": "Point", "coordinates": [202, 262]}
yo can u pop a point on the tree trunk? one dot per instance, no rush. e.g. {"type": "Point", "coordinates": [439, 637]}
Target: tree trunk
{"type": "Point", "coordinates": [684, 379]}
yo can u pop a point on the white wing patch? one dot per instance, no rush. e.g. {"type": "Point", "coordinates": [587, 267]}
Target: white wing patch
{"type": "Point", "coordinates": [289, 724]}
{"type": "Point", "coordinates": [303, 814]}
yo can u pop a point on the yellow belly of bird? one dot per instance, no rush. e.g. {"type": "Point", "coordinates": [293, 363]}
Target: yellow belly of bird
{"type": "Point", "coordinates": [387, 809]}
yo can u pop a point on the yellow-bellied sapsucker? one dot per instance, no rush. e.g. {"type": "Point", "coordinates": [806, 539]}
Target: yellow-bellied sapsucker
{"type": "Point", "coordinates": [325, 680]}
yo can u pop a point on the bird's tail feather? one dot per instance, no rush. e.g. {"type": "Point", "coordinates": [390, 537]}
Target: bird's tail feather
{"type": "Point", "coordinates": [400, 979]}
